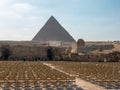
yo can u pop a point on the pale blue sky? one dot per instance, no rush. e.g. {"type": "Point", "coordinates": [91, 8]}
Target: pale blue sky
{"type": "Point", "coordinates": [86, 19]}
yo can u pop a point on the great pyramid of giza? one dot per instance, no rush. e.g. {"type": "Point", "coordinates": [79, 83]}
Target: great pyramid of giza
{"type": "Point", "coordinates": [53, 31]}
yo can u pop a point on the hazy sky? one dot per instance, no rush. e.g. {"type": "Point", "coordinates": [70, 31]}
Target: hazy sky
{"type": "Point", "coordinates": [86, 19]}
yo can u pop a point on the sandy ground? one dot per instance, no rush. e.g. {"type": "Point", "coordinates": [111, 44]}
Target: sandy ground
{"type": "Point", "coordinates": [116, 48]}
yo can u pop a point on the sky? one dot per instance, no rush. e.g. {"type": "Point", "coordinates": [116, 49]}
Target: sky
{"type": "Point", "coordinates": [91, 20]}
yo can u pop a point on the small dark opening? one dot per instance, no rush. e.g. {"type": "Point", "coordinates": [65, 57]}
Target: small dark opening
{"type": "Point", "coordinates": [50, 54]}
{"type": "Point", "coordinates": [5, 53]}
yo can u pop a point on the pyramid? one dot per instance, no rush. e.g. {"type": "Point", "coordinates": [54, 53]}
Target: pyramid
{"type": "Point", "coordinates": [53, 31]}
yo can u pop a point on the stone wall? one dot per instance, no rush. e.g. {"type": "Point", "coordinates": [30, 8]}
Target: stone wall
{"type": "Point", "coordinates": [32, 51]}
{"type": "Point", "coordinates": [22, 49]}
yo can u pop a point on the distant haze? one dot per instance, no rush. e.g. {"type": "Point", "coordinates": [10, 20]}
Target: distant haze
{"type": "Point", "coordinates": [96, 20]}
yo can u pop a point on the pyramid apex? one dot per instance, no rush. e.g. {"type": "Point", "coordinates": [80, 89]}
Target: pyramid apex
{"type": "Point", "coordinates": [52, 20]}
{"type": "Point", "coordinates": [52, 17]}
